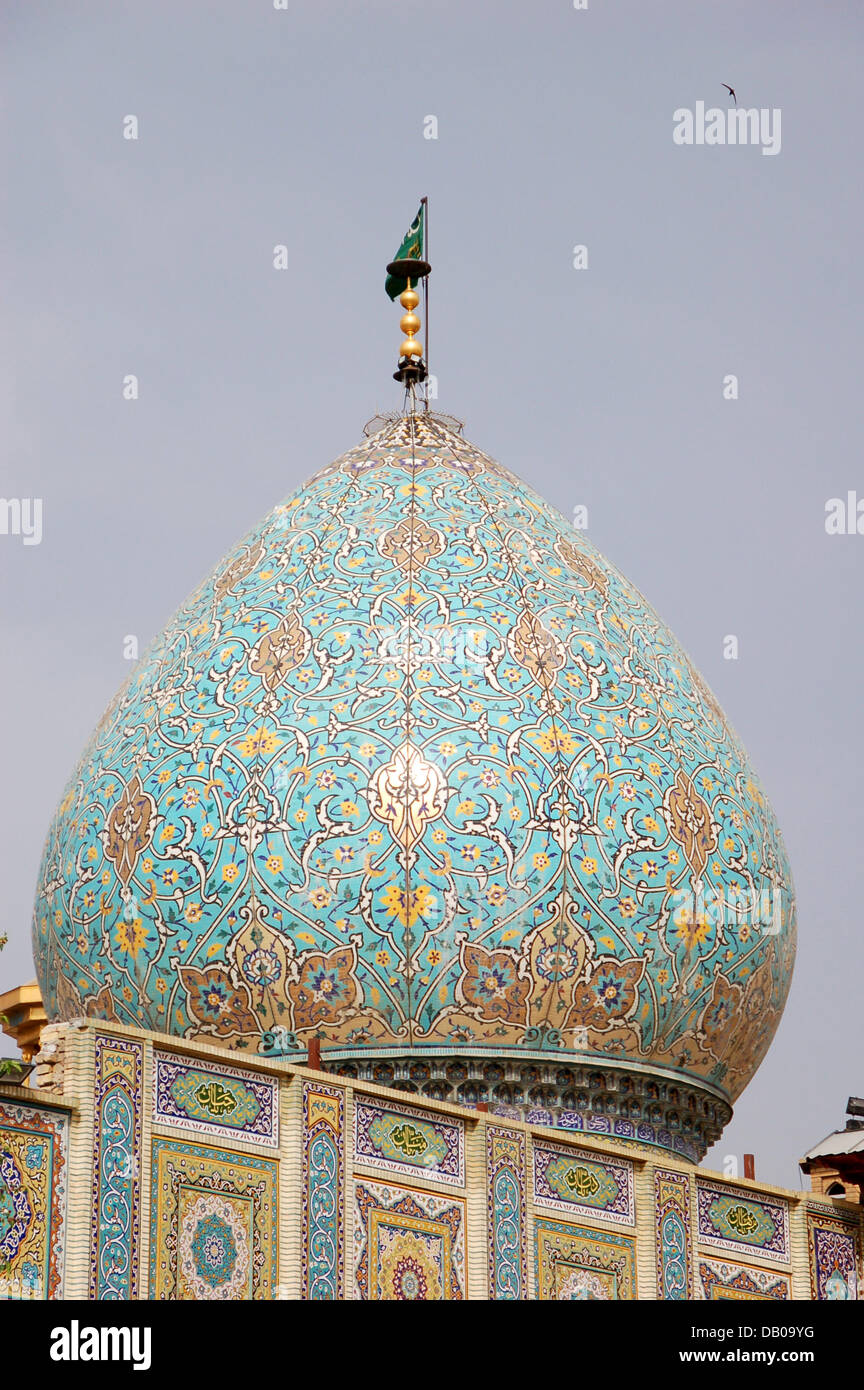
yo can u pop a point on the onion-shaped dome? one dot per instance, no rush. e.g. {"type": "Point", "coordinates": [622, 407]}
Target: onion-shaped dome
{"type": "Point", "coordinates": [418, 772]}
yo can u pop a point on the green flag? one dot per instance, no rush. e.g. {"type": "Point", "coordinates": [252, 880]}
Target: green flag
{"type": "Point", "coordinates": [410, 250]}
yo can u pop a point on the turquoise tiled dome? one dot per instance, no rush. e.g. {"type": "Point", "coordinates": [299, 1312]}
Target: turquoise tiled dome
{"type": "Point", "coordinates": [416, 770]}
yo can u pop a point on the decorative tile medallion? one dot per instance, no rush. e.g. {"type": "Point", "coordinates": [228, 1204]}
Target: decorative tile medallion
{"type": "Point", "coordinates": [215, 1100]}
{"type": "Point", "coordinates": [408, 1245]}
{"type": "Point", "coordinates": [116, 1230]}
{"type": "Point", "coordinates": [213, 1224]}
{"type": "Point", "coordinates": [833, 1247]}
{"type": "Point", "coordinates": [33, 1180]}
{"type": "Point", "coordinates": [726, 1281]}
{"type": "Point", "coordinates": [419, 1143]}
{"type": "Point", "coordinates": [576, 1263]}
{"type": "Point", "coordinates": [747, 1225]}
{"type": "Point", "coordinates": [323, 1255]}
{"type": "Point", "coordinates": [672, 1217]}
{"type": "Point", "coordinates": [583, 1184]}
{"type": "Point", "coordinates": [505, 1175]}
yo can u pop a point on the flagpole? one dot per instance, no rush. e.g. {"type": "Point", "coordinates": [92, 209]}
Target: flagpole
{"type": "Point", "coordinates": [425, 203]}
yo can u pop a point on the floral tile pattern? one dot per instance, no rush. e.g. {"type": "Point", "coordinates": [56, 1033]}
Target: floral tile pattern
{"type": "Point", "coordinates": [728, 1281]}
{"type": "Point", "coordinates": [116, 1194]}
{"type": "Point", "coordinates": [408, 1245]}
{"type": "Point", "coordinates": [33, 1189]}
{"type": "Point", "coordinates": [416, 768]}
{"type": "Point", "coordinates": [579, 1264]}
{"type": "Point", "coordinates": [507, 1216]}
{"type": "Point", "coordinates": [834, 1248]}
{"type": "Point", "coordinates": [323, 1251]}
{"type": "Point", "coordinates": [214, 1219]}
{"type": "Point", "coordinates": [673, 1235]}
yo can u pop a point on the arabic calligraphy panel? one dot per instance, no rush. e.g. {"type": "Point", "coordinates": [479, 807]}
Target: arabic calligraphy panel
{"type": "Point", "coordinates": [398, 1137]}
{"type": "Point", "coordinates": [582, 1183]}
{"type": "Point", "coordinates": [753, 1224]}
{"type": "Point", "coordinates": [215, 1100]}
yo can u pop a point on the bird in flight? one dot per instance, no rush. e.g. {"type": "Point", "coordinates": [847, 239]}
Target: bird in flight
{"type": "Point", "coordinates": [731, 91]}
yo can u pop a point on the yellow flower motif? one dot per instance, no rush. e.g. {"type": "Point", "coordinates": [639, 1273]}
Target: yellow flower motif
{"type": "Point", "coordinates": [207, 829]}
{"type": "Point", "coordinates": [627, 907]}
{"type": "Point", "coordinates": [367, 750]}
{"type": "Point", "coordinates": [589, 866]}
{"type": "Point", "coordinates": [433, 957]}
{"type": "Point", "coordinates": [541, 861]}
{"type": "Point", "coordinates": [92, 853]}
{"type": "Point", "coordinates": [230, 872]}
{"type": "Point", "coordinates": [439, 836]}
{"type": "Point", "coordinates": [465, 808]}
{"type": "Point", "coordinates": [382, 957]}
{"type": "Point", "coordinates": [446, 749]}
{"type": "Point", "coordinates": [169, 832]}
{"type": "Point", "coordinates": [300, 816]}
{"type": "Point", "coordinates": [193, 912]}
{"type": "Point", "coordinates": [147, 866]}
{"type": "Point", "coordinates": [164, 776]}
{"type": "Point", "coordinates": [130, 936]}
{"type": "Point", "coordinates": [260, 742]}
{"type": "Point", "coordinates": [349, 808]}
{"type": "Point", "coordinates": [651, 824]}
{"type": "Point", "coordinates": [274, 863]}
{"type": "Point", "coordinates": [319, 897]}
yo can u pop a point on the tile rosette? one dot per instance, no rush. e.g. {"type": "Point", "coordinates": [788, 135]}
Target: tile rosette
{"type": "Point", "coordinates": [409, 1245]}
{"type": "Point", "coordinates": [213, 1234]}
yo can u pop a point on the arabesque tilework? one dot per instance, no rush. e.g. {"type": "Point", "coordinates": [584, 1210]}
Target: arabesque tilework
{"type": "Point", "coordinates": [408, 1245]}
{"type": "Point", "coordinates": [834, 1247]}
{"type": "Point", "coordinates": [116, 1214]}
{"type": "Point", "coordinates": [579, 1183]}
{"type": "Point", "coordinates": [411, 677]}
{"type": "Point", "coordinates": [323, 1250]}
{"type": "Point", "coordinates": [507, 1215]}
{"type": "Point", "coordinates": [213, 1223]}
{"type": "Point", "coordinates": [674, 1245]}
{"type": "Point", "coordinates": [220, 1101]}
{"type": "Point", "coordinates": [583, 1264]}
{"type": "Point", "coordinates": [741, 1222]}
{"type": "Point", "coordinates": [33, 1189]}
{"type": "Point", "coordinates": [721, 1281]}
{"type": "Point", "coordinates": [402, 1138]}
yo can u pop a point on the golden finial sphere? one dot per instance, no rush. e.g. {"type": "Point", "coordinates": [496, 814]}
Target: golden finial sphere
{"type": "Point", "coordinates": [409, 323]}
{"type": "Point", "coordinates": [410, 348]}
{"type": "Point", "coordinates": [409, 299]}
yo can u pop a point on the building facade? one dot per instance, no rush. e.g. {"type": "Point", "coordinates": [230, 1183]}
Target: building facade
{"type": "Point", "coordinates": [145, 1168]}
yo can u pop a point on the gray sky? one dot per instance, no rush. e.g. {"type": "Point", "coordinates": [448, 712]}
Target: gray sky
{"type": "Point", "coordinates": [601, 387]}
